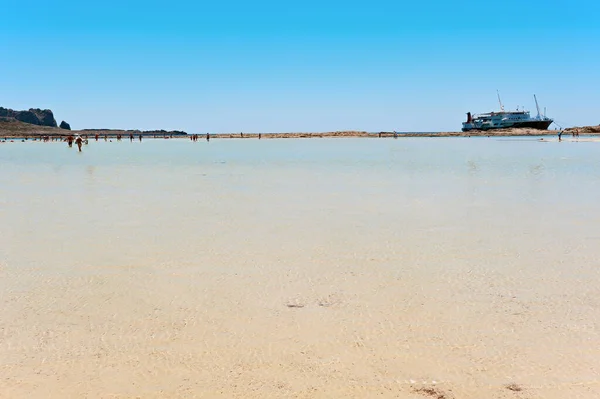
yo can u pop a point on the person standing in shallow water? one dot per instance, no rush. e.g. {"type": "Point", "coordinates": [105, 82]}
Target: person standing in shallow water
{"type": "Point", "coordinates": [70, 140]}
{"type": "Point", "coordinates": [207, 136]}
{"type": "Point", "coordinates": [79, 142]}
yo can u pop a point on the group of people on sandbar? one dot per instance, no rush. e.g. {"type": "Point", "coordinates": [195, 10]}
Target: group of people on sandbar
{"type": "Point", "coordinates": [195, 137]}
{"type": "Point", "coordinates": [574, 133]}
{"type": "Point", "coordinates": [120, 137]}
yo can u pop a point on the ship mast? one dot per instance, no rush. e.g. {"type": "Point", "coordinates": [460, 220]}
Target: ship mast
{"type": "Point", "coordinates": [500, 101]}
{"type": "Point", "coordinates": [537, 106]}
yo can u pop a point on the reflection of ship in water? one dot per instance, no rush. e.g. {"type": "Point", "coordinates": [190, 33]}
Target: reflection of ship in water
{"type": "Point", "coordinates": [506, 119]}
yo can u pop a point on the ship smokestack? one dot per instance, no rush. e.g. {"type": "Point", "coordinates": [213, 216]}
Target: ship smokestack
{"type": "Point", "coordinates": [469, 117]}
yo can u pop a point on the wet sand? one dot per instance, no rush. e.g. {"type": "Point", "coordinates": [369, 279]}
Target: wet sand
{"type": "Point", "coordinates": [447, 268]}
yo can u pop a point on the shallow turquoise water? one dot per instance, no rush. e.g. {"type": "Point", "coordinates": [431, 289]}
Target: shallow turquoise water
{"type": "Point", "coordinates": [520, 169]}
{"type": "Point", "coordinates": [473, 261]}
{"type": "Point", "coordinates": [511, 184]}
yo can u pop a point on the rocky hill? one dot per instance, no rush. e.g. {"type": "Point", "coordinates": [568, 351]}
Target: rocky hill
{"type": "Point", "coordinates": [34, 116]}
{"type": "Point", "coordinates": [38, 122]}
{"type": "Point", "coordinates": [10, 127]}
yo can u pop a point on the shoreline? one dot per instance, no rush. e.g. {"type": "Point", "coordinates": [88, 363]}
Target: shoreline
{"type": "Point", "coordinates": [10, 130]}
{"type": "Point", "coordinates": [271, 136]}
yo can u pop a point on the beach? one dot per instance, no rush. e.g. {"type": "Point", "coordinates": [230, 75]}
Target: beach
{"type": "Point", "coordinates": [440, 267]}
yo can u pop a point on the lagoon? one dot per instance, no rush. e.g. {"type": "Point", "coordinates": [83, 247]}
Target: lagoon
{"type": "Point", "coordinates": [348, 267]}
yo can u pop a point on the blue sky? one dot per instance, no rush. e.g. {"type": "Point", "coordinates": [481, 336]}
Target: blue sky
{"type": "Point", "coordinates": [309, 65]}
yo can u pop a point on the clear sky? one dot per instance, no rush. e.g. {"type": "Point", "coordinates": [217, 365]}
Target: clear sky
{"type": "Point", "coordinates": [230, 66]}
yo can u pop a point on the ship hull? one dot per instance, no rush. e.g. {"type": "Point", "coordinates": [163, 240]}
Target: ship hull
{"type": "Point", "coordinates": [540, 125]}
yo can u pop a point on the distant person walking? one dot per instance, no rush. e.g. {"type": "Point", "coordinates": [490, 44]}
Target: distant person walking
{"type": "Point", "coordinates": [560, 135]}
{"type": "Point", "coordinates": [207, 136]}
{"type": "Point", "coordinates": [70, 140]}
{"type": "Point", "coordinates": [140, 137]}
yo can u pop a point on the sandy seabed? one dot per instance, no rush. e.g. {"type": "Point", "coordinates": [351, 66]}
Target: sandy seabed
{"type": "Point", "coordinates": [406, 277]}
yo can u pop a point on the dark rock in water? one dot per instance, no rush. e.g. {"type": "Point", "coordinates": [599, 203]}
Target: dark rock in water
{"type": "Point", "coordinates": [35, 116]}
{"type": "Point", "coordinates": [65, 125]}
